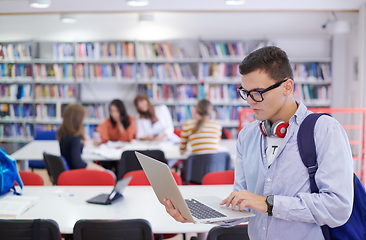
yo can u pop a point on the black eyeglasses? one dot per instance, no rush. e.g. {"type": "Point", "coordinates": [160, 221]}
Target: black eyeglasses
{"type": "Point", "coordinates": [257, 95]}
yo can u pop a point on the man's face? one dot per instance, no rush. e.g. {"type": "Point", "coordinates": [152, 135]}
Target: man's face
{"type": "Point", "coordinates": [271, 107]}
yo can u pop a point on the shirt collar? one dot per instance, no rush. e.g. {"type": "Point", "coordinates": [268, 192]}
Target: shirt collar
{"type": "Point", "coordinates": [300, 114]}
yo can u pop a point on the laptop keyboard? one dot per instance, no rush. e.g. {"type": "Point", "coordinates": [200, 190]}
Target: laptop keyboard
{"type": "Point", "coordinates": [201, 211]}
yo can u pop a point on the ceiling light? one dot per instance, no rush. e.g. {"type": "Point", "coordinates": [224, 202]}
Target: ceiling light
{"type": "Point", "coordinates": [39, 3]}
{"type": "Point", "coordinates": [146, 17]}
{"type": "Point", "coordinates": [137, 2]}
{"type": "Point", "coordinates": [234, 2]}
{"type": "Point", "coordinates": [341, 27]}
{"type": "Point", "coordinates": [68, 18]}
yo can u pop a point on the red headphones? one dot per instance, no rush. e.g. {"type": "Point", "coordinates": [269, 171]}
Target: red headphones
{"type": "Point", "coordinates": [278, 129]}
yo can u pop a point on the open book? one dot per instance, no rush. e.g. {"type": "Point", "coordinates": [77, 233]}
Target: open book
{"type": "Point", "coordinates": [12, 206]}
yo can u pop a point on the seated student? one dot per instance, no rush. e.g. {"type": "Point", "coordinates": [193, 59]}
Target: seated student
{"type": "Point", "coordinates": [153, 123]}
{"type": "Point", "coordinates": [119, 126]}
{"type": "Point", "coordinates": [202, 133]}
{"type": "Point", "coordinates": [72, 139]}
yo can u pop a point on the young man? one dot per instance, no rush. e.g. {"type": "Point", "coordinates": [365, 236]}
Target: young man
{"type": "Point", "coordinates": [270, 177]}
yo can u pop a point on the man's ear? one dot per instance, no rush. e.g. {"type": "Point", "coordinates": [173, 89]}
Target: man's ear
{"type": "Point", "coordinates": [289, 87]}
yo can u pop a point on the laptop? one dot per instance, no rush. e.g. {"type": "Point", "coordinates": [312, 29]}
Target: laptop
{"type": "Point", "coordinates": [106, 199]}
{"type": "Point", "coordinates": [198, 210]}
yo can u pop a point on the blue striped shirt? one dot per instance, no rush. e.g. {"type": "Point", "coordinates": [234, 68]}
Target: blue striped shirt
{"type": "Point", "coordinates": [297, 214]}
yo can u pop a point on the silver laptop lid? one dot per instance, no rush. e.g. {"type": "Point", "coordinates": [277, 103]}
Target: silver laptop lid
{"type": "Point", "coordinates": [163, 183]}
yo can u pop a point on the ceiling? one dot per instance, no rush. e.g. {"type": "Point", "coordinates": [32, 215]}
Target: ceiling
{"type": "Point", "coordinates": [105, 6]}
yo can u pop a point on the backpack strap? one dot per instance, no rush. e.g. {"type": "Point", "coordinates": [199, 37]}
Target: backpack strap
{"type": "Point", "coordinates": [307, 150]}
{"type": "Point", "coordinates": [306, 145]}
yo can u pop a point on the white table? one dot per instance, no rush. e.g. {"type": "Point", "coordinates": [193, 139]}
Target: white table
{"type": "Point", "coordinates": [138, 202]}
{"type": "Point", "coordinates": [34, 150]}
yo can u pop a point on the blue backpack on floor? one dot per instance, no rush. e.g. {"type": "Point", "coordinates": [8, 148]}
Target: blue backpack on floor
{"type": "Point", "coordinates": [355, 227]}
{"type": "Point", "coordinates": [8, 174]}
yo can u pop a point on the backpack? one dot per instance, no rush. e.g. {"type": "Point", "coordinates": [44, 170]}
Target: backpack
{"type": "Point", "coordinates": [355, 227]}
{"type": "Point", "coordinates": [8, 174]}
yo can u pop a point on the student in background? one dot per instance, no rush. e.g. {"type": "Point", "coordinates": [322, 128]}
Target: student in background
{"type": "Point", "coordinates": [153, 123]}
{"type": "Point", "coordinates": [119, 126]}
{"type": "Point", "coordinates": [71, 137]}
{"type": "Point", "coordinates": [202, 133]}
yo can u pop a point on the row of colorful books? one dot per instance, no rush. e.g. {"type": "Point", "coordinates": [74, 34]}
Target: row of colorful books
{"type": "Point", "coordinates": [15, 51]}
{"type": "Point", "coordinates": [15, 70]}
{"type": "Point", "coordinates": [54, 91]}
{"type": "Point", "coordinates": [162, 50]}
{"type": "Point", "coordinates": [315, 71]}
{"type": "Point", "coordinates": [96, 111]}
{"type": "Point", "coordinates": [12, 111]}
{"type": "Point", "coordinates": [54, 71]}
{"type": "Point", "coordinates": [16, 91]}
{"type": "Point", "coordinates": [218, 70]}
{"type": "Point", "coordinates": [222, 49]}
{"type": "Point", "coordinates": [308, 92]}
{"type": "Point", "coordinates": [105, 50]}
{"type": "Point", "coordinates": [184, 113]}
{"type": "Point", "coordinates": [166, 92]}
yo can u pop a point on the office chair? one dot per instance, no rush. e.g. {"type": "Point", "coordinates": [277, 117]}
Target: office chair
{"type": "Point", "coordinates": [139, 178]}
{"type": "Point", "coordinates": [42, 135]}
{"type": "Point", "coordinates": [131, 229]}
{"type": "Point", "coordinates": [45, 229]}
{"type": "Point", "coordinates": [55, 165]}
{"type": "Point", "coordinates": [30, 178]}
{"type": "Point", "coordinates": [129, 160]}
{"type": "Point", "coordinates": [238, 232]}
{"type": "Point", "coordinates": [197, 165]}
{"type": "Point", "coordinates": [86, 177]}
{"type": "Point", "coordinates": [220, 177]}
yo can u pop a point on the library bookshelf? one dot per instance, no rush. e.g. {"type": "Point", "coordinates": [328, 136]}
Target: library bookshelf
{"type": "Point", "coordinates": [39, 78]}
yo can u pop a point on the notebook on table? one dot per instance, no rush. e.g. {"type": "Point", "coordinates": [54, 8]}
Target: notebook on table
{"type": "Point", "coordinates": [199, 209]}
{"type": "Point", "coordinates": [106, 199]}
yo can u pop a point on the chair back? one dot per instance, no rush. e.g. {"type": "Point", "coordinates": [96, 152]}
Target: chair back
{"type": "Point", "coordinates": [86, 177]}
{"type": "Point", "coordinates": [139, 178]}
{"type": "Point", "coordinates": [232, 233]}
{"type": "Point", "coordinates": [45, 229]}
{"type": "Point", "coordinates": [55, 165]}
{"type": "Point", "coordinates": [129, 161]}
{"type": "Point", "coordinates": [45, 135]}
{"type": "Point", "coordinates": [30, 178]}
{"type": "Point", "coordinates": [131, 229]}
{"type": "Point", "coordinates": [220, 177]}
{"type": "Point", "coordinates": [42, 135]}
{"type": "Point", "coordinates": [197, 165]}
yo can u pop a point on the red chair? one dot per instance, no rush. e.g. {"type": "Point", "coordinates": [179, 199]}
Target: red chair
{"type": "Point", "coordinates": [86, 177]}
{"type": "Point", "coordinates": [139, 178]}
{"type": "Point", "coordinates": [30, 178]}
{"type": "Point", "coordinates": [220, 177]}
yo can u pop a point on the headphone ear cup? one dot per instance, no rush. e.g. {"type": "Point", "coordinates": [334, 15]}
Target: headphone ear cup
{"type": "Point", "coordinates": [279, 129]}
{"type": "Point", "coordinates": [265, 127]}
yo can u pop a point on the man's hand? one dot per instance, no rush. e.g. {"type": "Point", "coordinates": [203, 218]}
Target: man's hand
{"type": "Point", "coordinates": [245, 199]}
{"type": "Point", "coordinates": [174, 212]}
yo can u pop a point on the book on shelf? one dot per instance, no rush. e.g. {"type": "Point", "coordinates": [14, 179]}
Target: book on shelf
{"type": "Point", "coordinates": [12, 206]}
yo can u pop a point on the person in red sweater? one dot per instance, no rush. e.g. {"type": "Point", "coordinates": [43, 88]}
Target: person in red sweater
{"type": "Point", "coordinates": [119, 126]}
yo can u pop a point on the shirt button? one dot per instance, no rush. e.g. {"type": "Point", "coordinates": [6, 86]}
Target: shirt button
{"type": "Point", "coordinates": [264, 228]}
{"type": "Point", "coordinates": [264, 156]}
{"type": "Point", "coordinates": [269, 179]}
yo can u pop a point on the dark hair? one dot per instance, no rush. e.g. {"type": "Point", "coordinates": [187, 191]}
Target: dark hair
{"type": "Point", "coordinates": [150, 113]}
{"type": "Point", "coordinates": [204, 108]}
{"type": "Point", "coordinates": [73, 122]}
{"type": "Point", "coordinates": [271, 60]}
{"type": "Point", "coordinates": [125, 120]}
